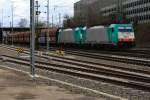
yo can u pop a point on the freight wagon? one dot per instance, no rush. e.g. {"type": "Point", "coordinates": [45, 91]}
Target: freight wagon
{"type": "Point", "coordinates": [52, 36]}
{"type": "Point", "coordinates": [24, 37]}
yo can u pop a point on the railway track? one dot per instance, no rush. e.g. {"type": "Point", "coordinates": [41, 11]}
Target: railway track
{"type": "Point", "coordinates": [144, 54]}
{"type": "Point", "coordinates": [89, 64]}
{"type": "Point", "coordinates": [142, 58]}
{"type": "Point", "coordinates": [124, 59]}
{"type": "Point", "coordinates": [84, 63]}
{"type": "Point", "coordinates": [129, 53]}
{"type": "Point", "coordinates": [101, 72]}
{"type": "Point", "coordinates": [114, 77]}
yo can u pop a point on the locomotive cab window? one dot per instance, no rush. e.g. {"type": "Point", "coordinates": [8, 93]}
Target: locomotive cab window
{"type": "Point", "coordinates": [125, 30]}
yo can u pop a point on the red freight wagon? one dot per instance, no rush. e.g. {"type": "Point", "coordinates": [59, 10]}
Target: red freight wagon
{"type": "Point", "coordinates": [15, 37]}
{"type": "Point", "coordinates": [52, 35]}
{"type": "Point", "coordinates": [20, 37]}
{"type": "Point", "coordinates": [25, 37]}
{"type": "Point", "coordinates": [53, 31]}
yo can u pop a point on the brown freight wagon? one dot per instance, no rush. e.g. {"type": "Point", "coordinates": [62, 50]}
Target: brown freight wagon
{"type": "Point", "coordinates": [52, 36]}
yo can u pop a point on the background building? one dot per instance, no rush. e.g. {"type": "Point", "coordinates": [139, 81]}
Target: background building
{"type": "Point", "coordinates": [133, 9]}
{"type": "Point", "coordinates": [81, 10]}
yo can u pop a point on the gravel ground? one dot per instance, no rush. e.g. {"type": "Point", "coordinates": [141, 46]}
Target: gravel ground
{"type": "Point", "coordinates": [103, 87]}
{"type": "Point", "coordinates": [4, 51]}
{"type": "Point", "coordinates": [18, 86]}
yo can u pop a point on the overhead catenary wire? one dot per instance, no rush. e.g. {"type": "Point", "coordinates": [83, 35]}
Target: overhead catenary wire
{"type": "Point", "coordinates": [64, 7]}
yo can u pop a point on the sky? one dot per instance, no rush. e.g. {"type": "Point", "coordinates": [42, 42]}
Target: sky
{"type": "Point", "coordinates": [22, 10]}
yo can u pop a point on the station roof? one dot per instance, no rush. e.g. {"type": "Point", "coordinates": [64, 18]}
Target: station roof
{"type": "Point", "coordinates": [15, 29]}
{"type": "Point", "coordinates": [18, 29]}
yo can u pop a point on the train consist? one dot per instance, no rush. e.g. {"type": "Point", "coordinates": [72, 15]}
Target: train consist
{"type": "Point", "coordinates": [115, 35]}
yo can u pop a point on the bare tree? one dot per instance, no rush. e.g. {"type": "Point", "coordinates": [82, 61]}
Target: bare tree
{"type": "Point", "coordinates": [40, 24]}
{"type": "Point", "coordinates": [68, 21]}
{"type": "Point", "coordinates": [23, 22]}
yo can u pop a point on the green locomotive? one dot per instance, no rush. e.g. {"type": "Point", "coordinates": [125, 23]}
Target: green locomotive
{"type": "Point", "coordinates": [115, 35]}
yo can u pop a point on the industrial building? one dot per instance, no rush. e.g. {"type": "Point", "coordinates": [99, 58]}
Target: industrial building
{"type": "Point", "coordinates": [139, 9]}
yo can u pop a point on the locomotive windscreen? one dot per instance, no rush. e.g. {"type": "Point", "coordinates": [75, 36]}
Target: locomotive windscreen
{"type": "Point", "coordinates": [125, 30]}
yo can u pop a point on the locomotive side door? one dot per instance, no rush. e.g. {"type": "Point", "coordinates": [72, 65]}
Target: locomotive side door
{"type": "Point", "coordinates": [112, 36]}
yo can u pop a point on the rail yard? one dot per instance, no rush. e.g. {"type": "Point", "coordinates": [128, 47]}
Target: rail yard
{"type": "Point", "coordinates": [114, 75]}
{"type": "Point", "coordinates": [74, 50]}
{"type": "Point", "coordinates": [110, 67]}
